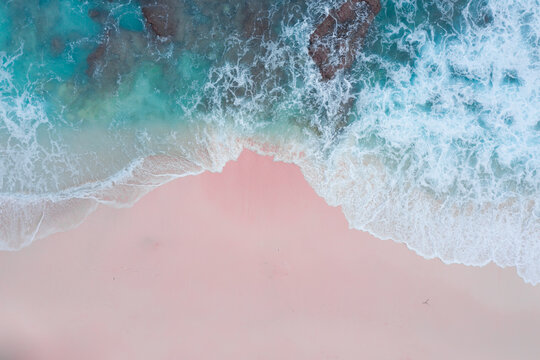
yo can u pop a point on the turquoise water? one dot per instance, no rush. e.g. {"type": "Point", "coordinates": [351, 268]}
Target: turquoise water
{"type": "Point", "coordinates": [432, 138]}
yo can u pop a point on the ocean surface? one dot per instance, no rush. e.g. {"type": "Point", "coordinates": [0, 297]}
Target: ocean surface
{"type": "Point", "coordinates": [431, 138]}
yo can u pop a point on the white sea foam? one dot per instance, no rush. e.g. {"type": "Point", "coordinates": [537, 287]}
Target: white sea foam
{"type": "Point", "coordinates": [27, 217]}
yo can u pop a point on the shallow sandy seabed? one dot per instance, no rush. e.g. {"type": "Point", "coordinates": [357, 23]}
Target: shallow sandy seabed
{"type": "Point", "coordinates": [251, 264]}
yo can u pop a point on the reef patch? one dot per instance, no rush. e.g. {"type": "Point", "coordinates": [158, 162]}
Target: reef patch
{"type": "Point", "coordinates": [334, 42]}
{"type": "Point", "coordinates": [160, 17]}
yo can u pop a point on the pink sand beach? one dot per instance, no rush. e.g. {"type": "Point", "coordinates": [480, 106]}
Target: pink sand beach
{"type": "Point", "coordinates": [251, 264]}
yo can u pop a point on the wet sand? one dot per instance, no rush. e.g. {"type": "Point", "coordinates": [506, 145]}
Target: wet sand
{"type": "Point", "coordinates": [251, 264]}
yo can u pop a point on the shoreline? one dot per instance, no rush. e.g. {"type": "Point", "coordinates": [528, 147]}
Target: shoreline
{"type": "Point", "coordinates": [125, 188]}
{"type": "Point", "coordinates": [251, 263]}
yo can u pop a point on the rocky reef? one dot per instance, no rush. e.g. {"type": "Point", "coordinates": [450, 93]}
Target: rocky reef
{"type": "Point", "coordinates": [160, 17]}
{"type": "Point", "coordinates": [336, 39]}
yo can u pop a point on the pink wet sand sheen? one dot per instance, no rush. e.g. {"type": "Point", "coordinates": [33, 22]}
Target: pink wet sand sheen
{"type": "Point", "coordinates": [251, 264]}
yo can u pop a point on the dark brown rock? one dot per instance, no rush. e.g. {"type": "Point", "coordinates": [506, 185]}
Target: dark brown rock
{"type": "Point", "coordinates": [255, 24]}
{"type": "Point", "coordinates": [57, 45]}
{"type": "Point", "coordinates": [336, 39]}
{"type": "Point", "coordinates": [116, 55]}
{"type": "Point", "coordinates": [160, 16]}
{"type": "Point", "coordinates": [97, 15]}
{"type": "Point", "coordinates": [95, 59]}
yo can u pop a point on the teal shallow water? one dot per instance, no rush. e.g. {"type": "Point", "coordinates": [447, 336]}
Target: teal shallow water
{"type": "Point", "coordinates": [431, 138]}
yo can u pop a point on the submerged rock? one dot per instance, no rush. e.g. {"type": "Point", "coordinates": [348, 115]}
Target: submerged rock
{"type": "Point", "coordinates": [97, 15]}
{"type": "Point", "coordinates": [334, 42]}
{"type": "Point", "coordinates": [117, 54]}
{"type": "Point", "coordinates": [255, 23]}
{"type": "Point", "coordinates": [95, 59]}
{"type": "Point", "coordinates": [57, 45]}
{"type": "Point", "coordinates": [160, 17]}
